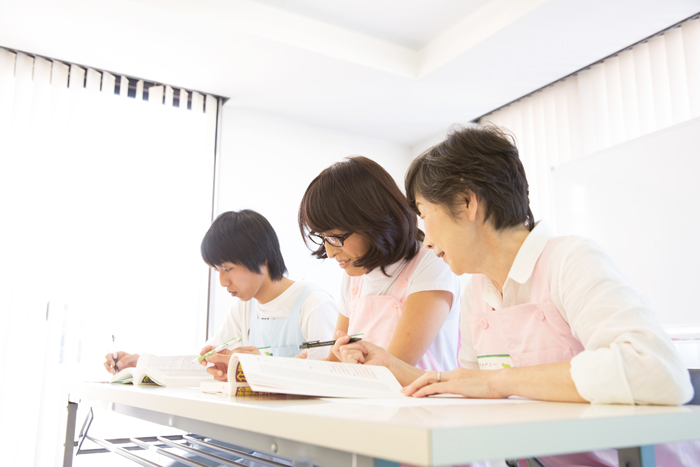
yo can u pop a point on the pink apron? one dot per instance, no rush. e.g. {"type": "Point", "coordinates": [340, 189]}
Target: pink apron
{"type": "Point", "coordinates": [535, 333]}
{"type": "Point", "coordinates": [378, 315]}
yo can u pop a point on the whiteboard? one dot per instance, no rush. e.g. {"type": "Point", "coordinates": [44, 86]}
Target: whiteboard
{"type": "Point", "coordinates": [640, 200]}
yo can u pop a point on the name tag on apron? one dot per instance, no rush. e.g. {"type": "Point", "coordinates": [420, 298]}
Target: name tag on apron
{"type": "Point", "coordinates": [494, 362]}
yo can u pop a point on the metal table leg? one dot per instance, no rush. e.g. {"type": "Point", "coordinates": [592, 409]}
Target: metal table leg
{"type": "Point", "coordinates": [69, 444]}
{"type": "Point", "coordinates": [643, 456]}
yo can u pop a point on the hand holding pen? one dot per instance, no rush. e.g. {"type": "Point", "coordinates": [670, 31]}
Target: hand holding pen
{"type": "Point", "coordinates": [115, 357]}
{"type": "Point", "coordinates": [210, 350]}
{"type": "Point", "coordinates": [312, 344]}
{"type": "Point", "coordinates": [122, 360]}
{"type": "Point", "coordinates": [361, 352]}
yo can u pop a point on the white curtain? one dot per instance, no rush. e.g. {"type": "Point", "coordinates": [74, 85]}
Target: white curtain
{"type": "Point", "coordinates": [104, 200]}
{"type": "Point", "coordinates": [650, 86]}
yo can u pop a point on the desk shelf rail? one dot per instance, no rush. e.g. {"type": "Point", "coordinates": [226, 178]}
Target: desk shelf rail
{"type": "Point", "coordinates": [196, 448]}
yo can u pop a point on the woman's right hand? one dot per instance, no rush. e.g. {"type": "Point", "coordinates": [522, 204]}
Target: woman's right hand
{"type": "Point", "coordinates": [124, 360]}
{"type": "Point", "coordinates": [362, 352]}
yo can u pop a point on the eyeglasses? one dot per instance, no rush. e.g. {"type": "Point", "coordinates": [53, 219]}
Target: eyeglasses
{"type": "Point", "coordinates": [335, 240]}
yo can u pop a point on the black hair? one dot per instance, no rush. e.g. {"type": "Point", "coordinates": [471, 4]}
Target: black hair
{"type": "Point", "coordinates": [245, 238]}
{"type": "Point", "coordinates": [483, 161]}
{"type": "Point", "coordinates": [357, 195]}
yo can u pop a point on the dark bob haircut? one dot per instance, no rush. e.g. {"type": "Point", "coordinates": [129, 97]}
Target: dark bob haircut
{"type": "Point", "coordinates": [245, 238]}
{"type": "Point", "coordinates": [483, 161]}
{"type": "Point", "coordinates": [357, 195]}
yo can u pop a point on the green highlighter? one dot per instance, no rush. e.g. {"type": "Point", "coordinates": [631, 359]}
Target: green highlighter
{"type": "Point", "coordinates": [233, 340]}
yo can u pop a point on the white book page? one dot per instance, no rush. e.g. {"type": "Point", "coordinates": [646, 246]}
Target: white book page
{"type": "Point", "coordinates": [318, 378]}
{"type": "Point", "coordinates": [124, 376]}
{"type": "Point", "coordinates": [172, 365]}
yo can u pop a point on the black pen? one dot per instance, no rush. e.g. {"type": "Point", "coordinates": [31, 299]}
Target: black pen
{"type": "Point", "coordinates": [114, 355]}
{"type": "Point", "coordinates": [311, 344]}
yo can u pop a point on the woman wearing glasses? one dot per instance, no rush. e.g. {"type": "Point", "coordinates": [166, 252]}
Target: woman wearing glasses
{"type": "Point", "coordinates": [394, 291]}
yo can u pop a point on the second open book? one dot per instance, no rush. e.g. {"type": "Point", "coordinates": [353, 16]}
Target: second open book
{"type": "Point", "coordinates": [305, 377]}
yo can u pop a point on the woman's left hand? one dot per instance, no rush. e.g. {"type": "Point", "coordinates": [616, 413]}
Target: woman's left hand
{"type": "Point", "coordinates": [470, 383]}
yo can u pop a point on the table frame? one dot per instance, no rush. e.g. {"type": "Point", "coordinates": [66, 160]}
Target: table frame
{"type": "Point", "coordinates": [634, 433]}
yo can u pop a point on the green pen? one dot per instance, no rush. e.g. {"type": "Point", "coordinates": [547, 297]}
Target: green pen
{"type": "Point", "coordinates": [233, 340]}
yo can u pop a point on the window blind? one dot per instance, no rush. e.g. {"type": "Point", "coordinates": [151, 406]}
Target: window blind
{"type": "Point", "coordinates": [647, 87]}
{"type": "Point", "coordinates": [106, 186]}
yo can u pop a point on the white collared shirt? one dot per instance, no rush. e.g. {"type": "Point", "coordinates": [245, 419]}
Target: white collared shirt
{"type": "Point", "coordinates": [628, 357]}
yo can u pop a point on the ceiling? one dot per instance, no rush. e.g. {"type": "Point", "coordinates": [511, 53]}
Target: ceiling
{"type": "Point", "coordinates": [405, 23]}
{"type": "Point", "coordinates": [397, 70]}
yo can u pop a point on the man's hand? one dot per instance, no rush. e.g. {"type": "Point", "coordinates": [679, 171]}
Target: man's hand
{"type": "Point", "coordinates": [219, 360]}
{"type": "Point", "coordinates": [124, 360]}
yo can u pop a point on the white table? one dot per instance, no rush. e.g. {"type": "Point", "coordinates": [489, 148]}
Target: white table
{"type": "Point", "coordinates": [353, 433]}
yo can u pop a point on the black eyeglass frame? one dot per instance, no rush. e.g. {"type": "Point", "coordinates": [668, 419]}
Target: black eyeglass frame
{"type": "Point", "coordinates": [315, 237]}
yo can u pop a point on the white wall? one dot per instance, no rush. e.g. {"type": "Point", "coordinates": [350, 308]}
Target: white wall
{"type": "Point", "coordinates": [640, 200]}
{"type": "Point", "coordinates": [266, 163]}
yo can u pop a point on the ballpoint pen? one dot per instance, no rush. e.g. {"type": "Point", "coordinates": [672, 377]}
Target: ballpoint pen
{"type": "Point", "coordinates": [312, 344]}
{"type": "Point", "coordinates": [114, 354]}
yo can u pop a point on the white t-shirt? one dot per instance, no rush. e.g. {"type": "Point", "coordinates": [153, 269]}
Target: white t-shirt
{"type": "Point", "coordinates": [627, 358]}
{"type": "Point", "coordinates": [431, 273]}
{"type": "Point", "coordinates": [318, 317]}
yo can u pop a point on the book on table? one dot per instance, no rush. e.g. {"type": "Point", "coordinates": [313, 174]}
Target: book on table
{"type": "Point", "coordinates": [260, 375]}
{"type": "Point", "coordinates": [178, 371]}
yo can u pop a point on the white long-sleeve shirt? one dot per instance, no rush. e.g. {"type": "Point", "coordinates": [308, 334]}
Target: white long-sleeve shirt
{"type": "Point", "coordinates": [628, 357]}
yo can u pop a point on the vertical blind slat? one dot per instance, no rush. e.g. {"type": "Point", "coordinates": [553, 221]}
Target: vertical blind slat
{"type": "Point", "coordinates": [586, 107]}
{"type": "Point", "coordinates": [572, 103]}
{"type": "Point", "coordinates": [93, 80]}
{"type": "Point", "coordinates": [614, 102]}
{"type": "Point", "coordinates": [139, 90]}
{"type": "Point", "coordinates": [155, 95]}
{"type": "Point", "coordinates": [562, 118]}
{"type": "Point", "coordinates": [123, 86]}
{"type": "Point", "coordinates": [691, 52]}
{"type": "Point", "coordinates": [197, 102]}
{"type": "Point", "coordinates": [601, 111]}
{"type": "Point", "coordinates": [541, 152]}
{"type": "Point", "coordinates": [677, 76]}
{"type": "Point", "coordinates": [76, 79]}
{"type": "Point", "coordinates": [658, 65]}
{"type": "Point", "coordinates": [645, 88]}
{"type": "Point", "coordinates": [630, 104]}
{"type": "Point", "coordinates": [184, 97]}
{"type": "Point", "coordinates": [59, 74]}
{"type": "Point", "coordinates": [7, 64]}
{"type": "Point", "coordinates": [550, 121]}
{"type": "Point", "coordinates": [169, 94]}
{"type": "Point", "coordinates": [108, 83]}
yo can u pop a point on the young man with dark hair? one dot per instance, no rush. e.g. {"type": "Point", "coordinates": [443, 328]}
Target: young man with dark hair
{"type": "Point", "coordinates": [269, 310]}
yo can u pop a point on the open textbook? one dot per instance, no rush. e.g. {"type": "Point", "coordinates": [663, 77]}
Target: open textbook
{"type": "Point", "coordinates": [256, 375]}
{"type": "Point", "coordinates": [177, 371]}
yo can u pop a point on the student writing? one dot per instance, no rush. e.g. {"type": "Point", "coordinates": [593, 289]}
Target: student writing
{"type": "Point", "coordinates": [268, 309]}
{"type": "Point", "coordinates": [399, 294]}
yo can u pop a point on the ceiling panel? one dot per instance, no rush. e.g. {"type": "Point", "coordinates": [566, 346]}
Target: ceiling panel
{"type": "Point", "coordinates": [408, 23]}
